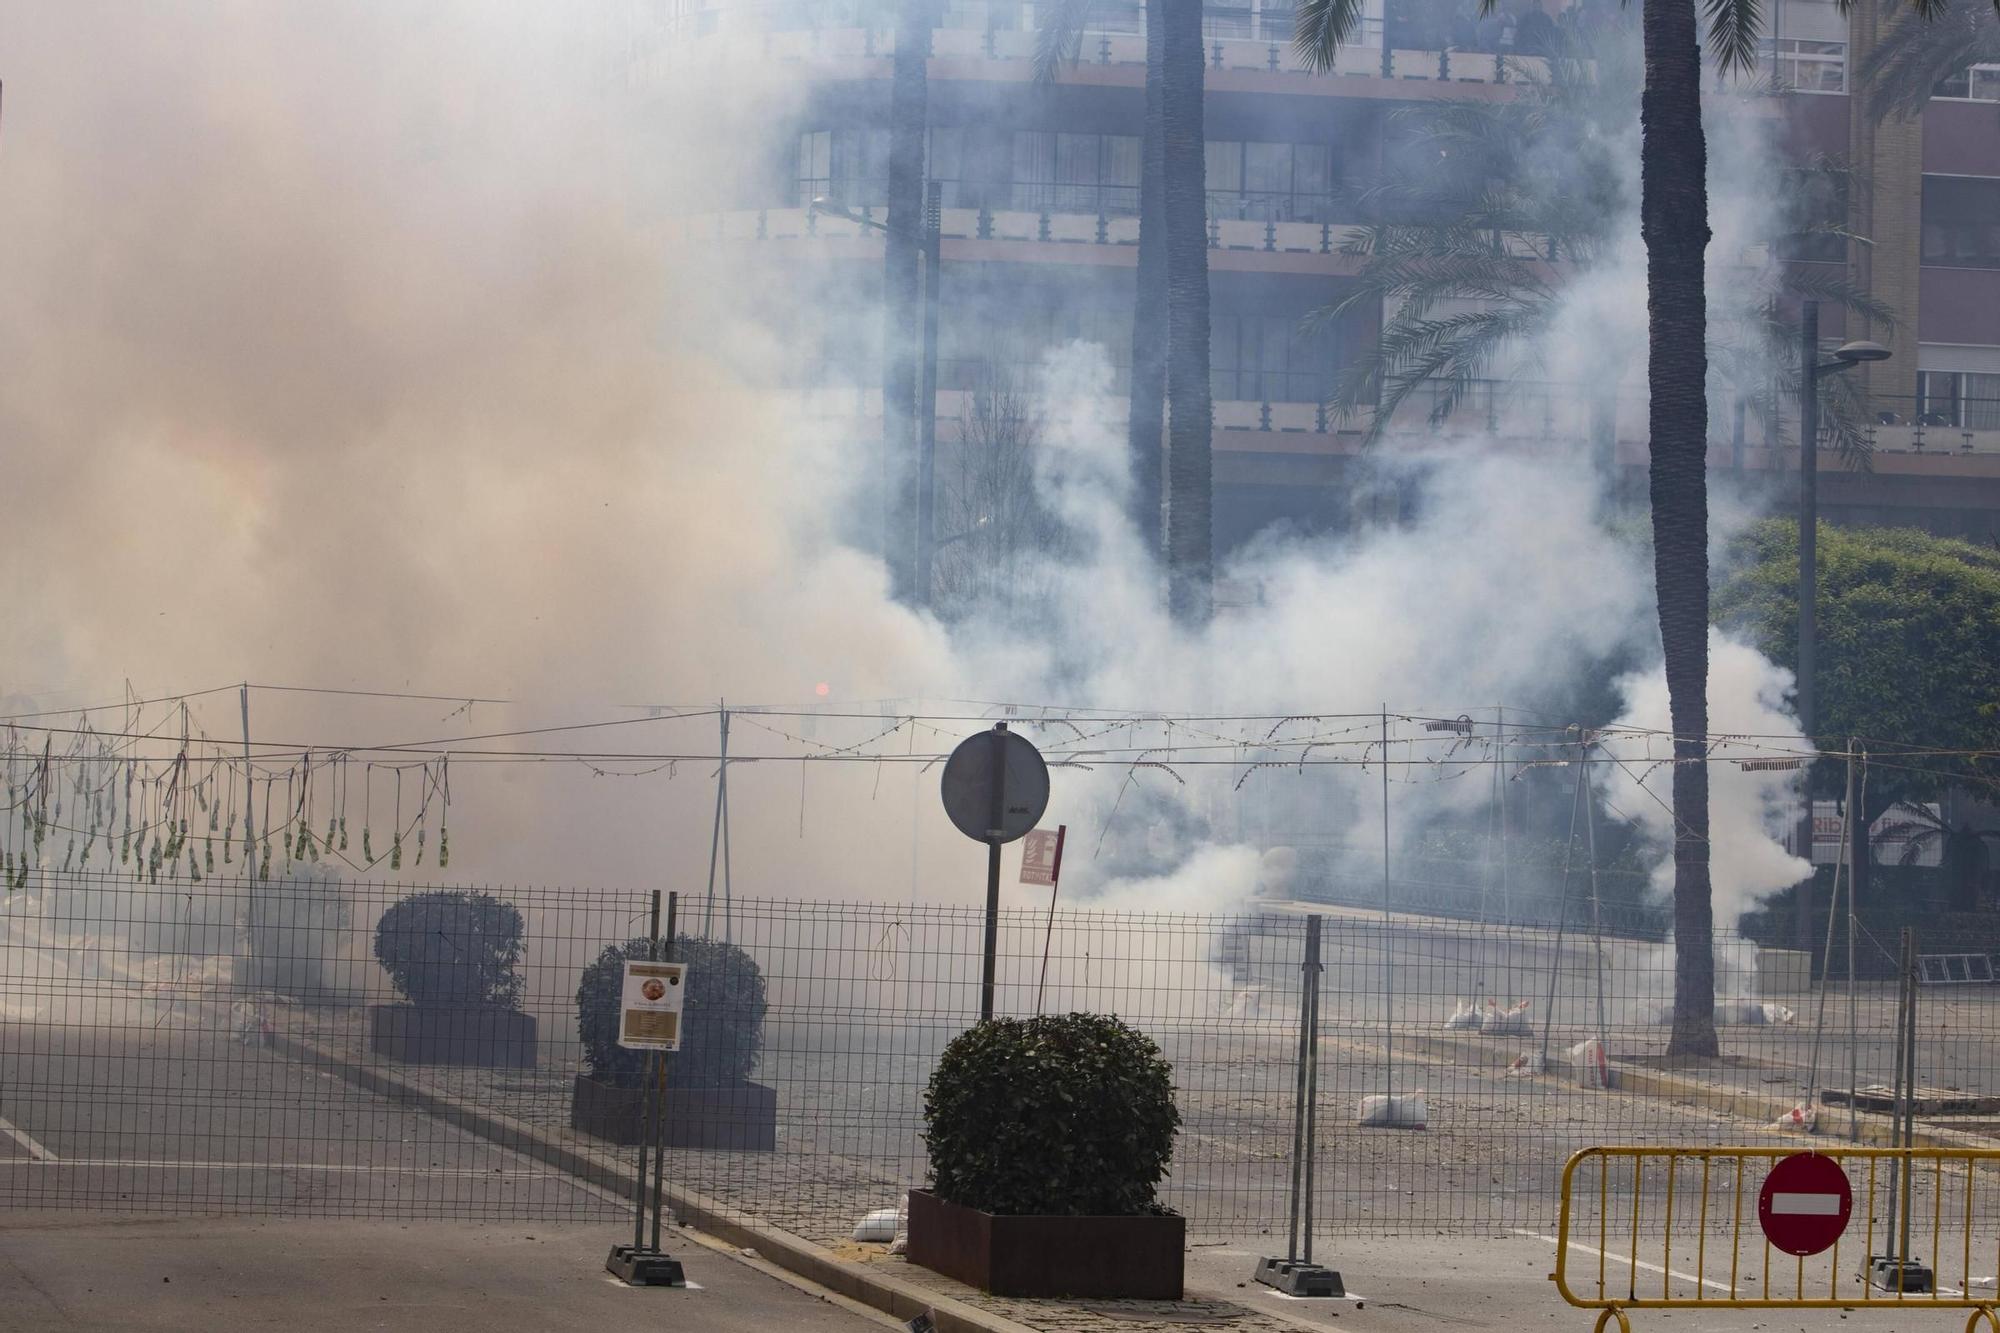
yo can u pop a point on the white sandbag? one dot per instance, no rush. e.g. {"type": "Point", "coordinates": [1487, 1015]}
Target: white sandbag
{"type": "Point", "coordinates": [1799, 1120]}
{"type": "Point", "coordinates": [1465, 1016]}
{"type": "Point", "coordinates": [1403, 1111]}
{"type": "Point", "coordinates": [879, 1226]}
{"type": "Point", "coordinates": [1509, 1022]}
{"type": "Point", "coordinates": [1587, 1058]}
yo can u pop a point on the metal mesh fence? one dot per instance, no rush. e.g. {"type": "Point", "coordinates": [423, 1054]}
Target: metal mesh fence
{"type": "Point", "coordinates": [231, 1046]}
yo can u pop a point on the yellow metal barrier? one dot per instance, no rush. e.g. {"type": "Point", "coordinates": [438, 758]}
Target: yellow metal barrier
{"type": "Point", "coordinates": [1667, 1229]}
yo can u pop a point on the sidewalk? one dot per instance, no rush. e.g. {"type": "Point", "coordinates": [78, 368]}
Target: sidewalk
{"type": "Point", "coordinates": [75, 1271]}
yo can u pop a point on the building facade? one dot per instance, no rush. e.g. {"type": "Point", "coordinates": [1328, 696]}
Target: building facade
{"type": "Point", "coordinates": [1040, 194]}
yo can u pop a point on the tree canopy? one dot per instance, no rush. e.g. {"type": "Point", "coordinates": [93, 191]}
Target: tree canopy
{"type": "Point", "coordinates": [1909, 643]}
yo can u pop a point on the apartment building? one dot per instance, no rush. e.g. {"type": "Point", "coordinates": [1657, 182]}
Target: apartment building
{"type": "Point", "coordinates": [1040, 183]}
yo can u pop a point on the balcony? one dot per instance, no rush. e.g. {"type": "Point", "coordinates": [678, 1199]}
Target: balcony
{"type": "Point", "coordinates": [1002, 38]}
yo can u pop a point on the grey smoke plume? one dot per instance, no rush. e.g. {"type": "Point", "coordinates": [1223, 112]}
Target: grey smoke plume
{"type": "Point", "coordinates": [371, 346]}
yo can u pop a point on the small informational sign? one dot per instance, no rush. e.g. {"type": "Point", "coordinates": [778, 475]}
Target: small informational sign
{"type": "Point", "coordinates": [1805, 1204]}
{"type": "Point", "coordinates": [1041, 856]}
{"type": "Point", "coordinates": [649, 1009]}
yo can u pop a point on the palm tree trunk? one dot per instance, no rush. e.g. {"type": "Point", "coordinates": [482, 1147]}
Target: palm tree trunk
{"type": "Point", "coordinates": [1147, 419]}
{"type": "Point", "coordinates": [1191, 413]}
{"type": "Point", "coordinates": [1674, 220]}
{"type": "Point", "coordinates": [908, 112]}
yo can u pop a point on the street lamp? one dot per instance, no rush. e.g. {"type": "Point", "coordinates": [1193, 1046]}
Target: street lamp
{"type": "Point", "coordinates": [1845, 357]}
{"type": "Point", "coordinates": [930, 244]}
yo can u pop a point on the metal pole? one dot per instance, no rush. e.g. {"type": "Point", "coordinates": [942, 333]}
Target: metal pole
{"type": "Point", "coordinates": [715, 835]}
{"type": "Point", "coordinates": [1048, 936]}
{"type": "Point", "coordinates": [1388, 969]}
{"type": "Point", "coordinates": [1306, 988]}
{"type": "Point", "coordinates": [927, 395]}
{"type": "Point", "coordinates": [666, 951]}
{"type": "Point", "coordinates": [1909, 1087]}
{"type": "Point", "coordinates": [1312, 1075]}
{"type": "Point", "coordinates": [991, 947]}
{"type": "Point", "coordinates": [1808, 572]}
{"type": "Point", "coordinates": [1596, 915]}
{"type": "Point", "coordinates": [1896, 1079]}
{"type": "Point", "coordinates": [728, 885]}
{"type": "Point", "coordinates": [1562, 917]}
{"type": "Point", "coordinates": [1826, 955]}
{"type": "Point", "coordinates": [1506, 888]}
{"type": "Point", "coordinates": [647, 1103]}
{"type": "Point", "coordinates": [1853, 1004]}
{"type": "Point", "coordinates": [246, 941]}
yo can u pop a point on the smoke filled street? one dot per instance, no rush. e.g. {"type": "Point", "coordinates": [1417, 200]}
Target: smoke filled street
{"type": "Point", "coordinates": [972, 666]}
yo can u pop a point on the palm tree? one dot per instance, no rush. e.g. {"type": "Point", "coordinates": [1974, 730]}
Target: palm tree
{"type": "Point", "coordinates": [1190, 407]}
{"type": "Point", "coordinates": [1924, 48]}
{"type": "Point", "coordinates": [1512, 188]}
{"type": "Point", "coordinates": [901, 252]}
{"type": "Point", "coordinates": [1058, 42]}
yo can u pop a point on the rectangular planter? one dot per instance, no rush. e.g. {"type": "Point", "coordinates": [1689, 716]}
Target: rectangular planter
{"type": "Point", "coordinates": [1106, 1258]}
{"type": "Point", "coordinates": [483, 1035]}
{"type": "Point", "coordinates": [738, 1118]}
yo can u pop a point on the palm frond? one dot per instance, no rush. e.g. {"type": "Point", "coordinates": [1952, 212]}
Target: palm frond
{"type": "Point", "coordinates": [1733, 29]}
{"type": "Point", "coordinates": [1836, 289]}
{"type": "Point", "coordinates": [1939, 40]}
{"type": "Point", "coordinates": [1059, 37]}
{"type": "Point", "coordinates": [1320, 27]}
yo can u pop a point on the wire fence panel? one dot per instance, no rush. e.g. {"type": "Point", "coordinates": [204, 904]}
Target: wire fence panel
{"type": "Point", "coordinates": [312, 1046]}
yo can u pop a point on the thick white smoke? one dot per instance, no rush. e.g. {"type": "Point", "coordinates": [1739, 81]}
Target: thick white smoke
{"type": "Point", "coordinates": [368, 346]}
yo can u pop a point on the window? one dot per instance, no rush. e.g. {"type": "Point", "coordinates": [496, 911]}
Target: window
{"type": "Point", "coordinates": [1076, 173]}
{"type": "Point", "coordinates": [1981, 83]}
{"type": "Point", "coordinates": [1269, 359]}
{"type": "Point", "coordinates": [1807, 66]}
{"type": "Point", "coordinates": [1269, 182]}
{"type": "Point", "coordinates": [1961, 221]}
{"type": "Point", "coordinates": [1815, 204]}
{"type": "Point", "coordinates": [1963, 399]}
{"type": "Point", "coordinates": [850, 167]}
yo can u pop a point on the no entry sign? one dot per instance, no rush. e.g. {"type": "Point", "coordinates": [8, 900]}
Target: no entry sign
{"type": "Point", "coordinates": [1805, 1203]}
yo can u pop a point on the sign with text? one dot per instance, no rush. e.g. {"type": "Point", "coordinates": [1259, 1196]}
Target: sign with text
{"type": "Point", "coordinates": [649, 1008]}
{"type": "Point", "coordinates": [1041, 856]}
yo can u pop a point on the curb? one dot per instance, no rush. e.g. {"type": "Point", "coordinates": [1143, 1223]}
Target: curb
{"type": "Point", "coordinates": [891, 1295]}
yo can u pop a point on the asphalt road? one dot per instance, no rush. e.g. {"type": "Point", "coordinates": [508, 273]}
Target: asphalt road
{"type": "Point", "coordinates": [196, 1122]}
{"type": "Point", "coordinates": [75, 1272]}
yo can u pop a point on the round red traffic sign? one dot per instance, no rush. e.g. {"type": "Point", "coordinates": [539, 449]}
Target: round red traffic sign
{"type": "Point", "coordinates": [1805, 1203]}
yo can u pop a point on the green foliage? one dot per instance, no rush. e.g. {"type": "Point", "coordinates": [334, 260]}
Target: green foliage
{"type": "Point", "coordinates": [1068, 1115]}
{"type": "Point", "coordinates": [1909, 642]}
{"type": "Point", "coordinates": [450, 947]}
{"type": "Point", "coordinates": [722, 1018]}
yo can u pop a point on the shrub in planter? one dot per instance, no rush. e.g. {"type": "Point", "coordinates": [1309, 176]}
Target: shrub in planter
{"type": "Point", "coordinates": [711, 1101]}
{"type": "Point", "coordinates": [453, 955]}
{"type": "Point", "coordinates": [1048, 1139]}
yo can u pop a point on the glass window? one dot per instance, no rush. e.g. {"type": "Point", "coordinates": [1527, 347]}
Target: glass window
{"type": "Point", "coordinates": [1815, 201]}
{"type": "Point", "coordinates": [1034, 170]}
{"type": "Point", "coordinates": [1961, 221]}
{"type": "Point", "coordinates": [1269, 359]}
{"type": "Point", "coordinates": [815, 166]}
{"type": "Point", "coordinates": [1979, 396]}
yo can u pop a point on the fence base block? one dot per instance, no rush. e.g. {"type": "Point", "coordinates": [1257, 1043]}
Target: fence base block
{"type": "Point", "coordinates": [1883, 1274]}
{"type": "Point", "coordinates": [644, 1267]}
{"type": "Point", "coordinates": [1298, 1279]}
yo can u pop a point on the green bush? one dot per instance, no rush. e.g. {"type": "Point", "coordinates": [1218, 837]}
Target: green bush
{"type": "Point", "coordinates": [722, 1018]}
{"type": "Point", "coordinates": [449, 947]}
{"type": "Point", "coordinates": [1071, 1115]}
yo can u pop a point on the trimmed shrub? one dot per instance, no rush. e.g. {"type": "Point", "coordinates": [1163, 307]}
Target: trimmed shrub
{"type": "Point", "coordinates": [722, 1018]}
{"type": "Point", "coordinates": [1069, 1115]}
{"type": "Point", "coordinates": [450, 947]}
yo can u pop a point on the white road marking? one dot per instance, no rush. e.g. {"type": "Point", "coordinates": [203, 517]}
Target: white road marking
{"type": "Point", "coordinates": [161, 1164]}
{"type": "Point", "coordinates": [1625, 1259]}
{"type": "Point", "coordinates": [21, 1136]}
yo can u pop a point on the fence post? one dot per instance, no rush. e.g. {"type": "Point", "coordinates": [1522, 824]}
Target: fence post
{"type": "Point", "coordinates": [1296, 1274]}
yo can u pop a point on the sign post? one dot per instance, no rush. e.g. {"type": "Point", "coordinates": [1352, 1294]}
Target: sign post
{"type": "Point", "coordinates": [1041, 863]}
{"type": "Point", "coordinates": [995, 787]}
{"type": "Point", "coordinates": [650, 1004]}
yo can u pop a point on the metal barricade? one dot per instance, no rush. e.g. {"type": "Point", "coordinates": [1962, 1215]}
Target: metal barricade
{"type": "Point", "coordinates": [1668, 1229]}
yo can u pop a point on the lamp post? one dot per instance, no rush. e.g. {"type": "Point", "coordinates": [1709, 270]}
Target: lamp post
{"type": "Point", "coordinates": [1845, 357]}
{"type": "Point", "coordinates": [931, 244]}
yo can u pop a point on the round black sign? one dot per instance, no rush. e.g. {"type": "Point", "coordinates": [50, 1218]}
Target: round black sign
{"type": "Point", "coordinates": [995, 786]}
